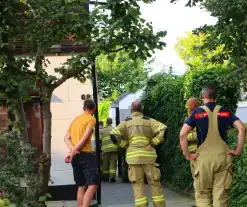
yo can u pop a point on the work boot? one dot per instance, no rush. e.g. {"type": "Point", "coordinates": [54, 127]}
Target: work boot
{"type": "Point", "coordinates": [112, 180]}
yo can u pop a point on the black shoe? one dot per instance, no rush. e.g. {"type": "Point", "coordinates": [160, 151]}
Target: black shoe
{"type": "Point", "coordinates": [193, 206]}
{"type": "Point", "coordinates": [112, 180]}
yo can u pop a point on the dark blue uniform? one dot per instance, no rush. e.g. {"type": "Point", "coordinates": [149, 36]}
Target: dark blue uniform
{"type": "Point", "coordinates": [199, 120]}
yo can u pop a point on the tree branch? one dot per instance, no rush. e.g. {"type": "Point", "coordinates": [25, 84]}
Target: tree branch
{"type": "Point", "coordinates": [117, 50]}
{"type": "Point", "coordinates": [70, 74]}
{"type": "Point", "coordinates": [31, 8]}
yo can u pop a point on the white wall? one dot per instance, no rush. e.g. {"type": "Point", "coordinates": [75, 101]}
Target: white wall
{"type": "Point", "coordinates": [126, 101]}
{"type": "Point", "coordinates": [112, 114]}
{"type": "Point", "coordinates": [125, 104]}
{"type": "Point", "coordinates": [241, 111]}
{"type": "Point", "coordinates": [65, 106]}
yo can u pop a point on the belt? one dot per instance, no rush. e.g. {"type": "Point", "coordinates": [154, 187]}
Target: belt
{"type": "Point", "coordinates": [81, 152]}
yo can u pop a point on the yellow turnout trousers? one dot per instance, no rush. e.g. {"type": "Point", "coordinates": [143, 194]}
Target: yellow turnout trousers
{"type": "Point", "coordinates": [136, 176]}
{"type": "Point", "coordinates": [213, 167]}
{"type": "Point", "coordinates": [109, 167]}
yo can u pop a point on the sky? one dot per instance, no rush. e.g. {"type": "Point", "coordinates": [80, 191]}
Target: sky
{"type": "Point", "coordinates": [176, 19]}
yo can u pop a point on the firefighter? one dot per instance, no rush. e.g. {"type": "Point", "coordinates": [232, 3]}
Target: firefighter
{"type": "Point", "coordinates": [101, 124]}
{"type": "Point", "coordinates": [139, 135]}
{"type": "Point", "coordinates": [213, 159]}
{"type": "Point", "coordinates": [192, 104]}
{"type": "Point", "coordinates": [109, 153]}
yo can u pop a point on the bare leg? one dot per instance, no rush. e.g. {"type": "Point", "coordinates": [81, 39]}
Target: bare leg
{"type": "Point", "coordinates": [89, 194]}
{"type": "Point", "coordinates": [80, 195]}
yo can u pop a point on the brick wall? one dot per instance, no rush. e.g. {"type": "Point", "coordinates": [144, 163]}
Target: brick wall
{"type": "Point", "coordinates": [34, 122]}
{"type": "Point", "coordinates": [33, 114]}
{"type": "Point", "coordinates": [3, 116]}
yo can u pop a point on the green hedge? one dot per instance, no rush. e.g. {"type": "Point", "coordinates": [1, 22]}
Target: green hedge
{"type": "Point", "coordinates": [165, 99]}
{"type": "Point", "coordinates": [238, 196]}
{"type": "Point", "coordinates": [228, 88]}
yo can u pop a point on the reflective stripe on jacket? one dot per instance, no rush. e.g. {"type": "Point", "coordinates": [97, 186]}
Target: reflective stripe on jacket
{"type": "Point", "coordinates": [192, 141]}
{"type": "Point", "coordinates": [138, 135]}
{"type": "Point", "coordinates": [107, 144]}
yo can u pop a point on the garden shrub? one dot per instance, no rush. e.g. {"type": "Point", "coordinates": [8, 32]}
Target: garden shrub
{"type": "Point", "coordinates": [164, 101]}
{"type": "Point", "coordinates": [228, 88]}
{"type": "Point", "coordinates": [21, 161]}
{"type": "Point", "coordinates": [238, 196]}
{"type": "Point", "coordinates": [4, 202]}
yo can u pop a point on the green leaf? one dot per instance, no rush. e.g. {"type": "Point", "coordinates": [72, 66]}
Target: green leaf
{"type": "Point", "coordinates": [42, 198]}
{"type": "Point", "coordinates": [48, 195]}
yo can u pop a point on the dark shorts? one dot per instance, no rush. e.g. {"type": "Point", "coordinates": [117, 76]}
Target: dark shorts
{"type": "Point", "coordinates": [85, 169]}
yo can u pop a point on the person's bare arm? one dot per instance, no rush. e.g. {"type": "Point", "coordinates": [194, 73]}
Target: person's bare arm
{"type": "Point", "coordinates": [183, 139]}
{"type": "Point", "coordinates": [68, 142]}
{"type": "Point", "coordinates": [184, 142]}
{"type": "Point", "coordinates": [80, 144]}
{"type": "Point", "coordinates": [241, 137]}
{"type": "Point", "coordinates": [87, 135]}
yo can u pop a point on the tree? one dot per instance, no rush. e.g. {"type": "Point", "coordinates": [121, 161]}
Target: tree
{"type": "Point", "coordinates": [104, 106]}
{"type": "Point", "coordinates": [229, 31]}
{"type": "Point", "coordinates": [190, 49]}
{"type": "Point", "coordinates": [109, 28]}
{"type": "Point", "coordinates": [121, 74]}
{"type": "Point", "coordinates": [194, 53]}
{"type": "Point", "coordinates": [190, 3]}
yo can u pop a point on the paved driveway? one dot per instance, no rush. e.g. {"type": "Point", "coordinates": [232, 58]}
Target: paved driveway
{"type": "Point", "coordinates": [120, 195]}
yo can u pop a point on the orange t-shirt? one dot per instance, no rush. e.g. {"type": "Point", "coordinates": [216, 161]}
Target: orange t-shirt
{"type": "Point", "coordinates": [78, 128]}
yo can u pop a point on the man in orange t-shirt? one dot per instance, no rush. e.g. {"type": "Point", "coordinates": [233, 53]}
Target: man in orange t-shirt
{"type": "Point", "coordinates": [82, 156]}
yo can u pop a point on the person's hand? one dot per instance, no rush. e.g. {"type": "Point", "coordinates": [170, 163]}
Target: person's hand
{"type": "Point", "coordinates": [70, 157]}
{"type": "Point", "coordinates": [234, 153]}
{"type": "Point", "coordinates": [192, 156]}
